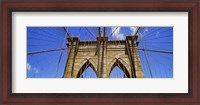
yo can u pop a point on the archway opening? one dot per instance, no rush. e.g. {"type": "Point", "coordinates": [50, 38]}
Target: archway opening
{"type": "Point", "coordinates": [117, 73]}
{"type": "Point", "coordinates": [88, 73]}
{"type": "Point", "coordinates": [118, 70]}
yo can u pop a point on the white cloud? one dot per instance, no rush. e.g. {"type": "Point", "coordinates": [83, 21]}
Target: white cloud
{"type": "Point", "coordinates": [28, 66]}
{"type": "Point", "coordinates": [117, 33]}
{"type": "Point", "coordinates": [146, 30]}
{"type": "Point", "coordinates": [120, 36]}
{"type": "Point", "coordinates": [36, 70]}
{"type": "Point", "coordinates": [133, 30]}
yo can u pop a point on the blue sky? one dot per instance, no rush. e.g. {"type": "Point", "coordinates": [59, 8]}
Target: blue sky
{"type": "Point", "coordinates": [45, 65]}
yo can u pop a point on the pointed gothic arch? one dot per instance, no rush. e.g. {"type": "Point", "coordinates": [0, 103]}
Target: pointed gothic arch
{"type": "Point", "coordinates": [117, 73]}
{"type": "Point", "coordinates": [84, 65]}
{"type": "Point", "coordinates": [118, 63]}
{"type": "Point", "coordinates": [103, 57]}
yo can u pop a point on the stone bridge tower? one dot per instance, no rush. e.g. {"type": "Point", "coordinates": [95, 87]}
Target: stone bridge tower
{"type": "Point", "coordinates": [103, 55]}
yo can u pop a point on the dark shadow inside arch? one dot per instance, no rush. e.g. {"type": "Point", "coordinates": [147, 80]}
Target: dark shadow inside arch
{"type": "Point", "coordinates": [121, 66]}
{"type": "Point", "coordinates": [84, 67]}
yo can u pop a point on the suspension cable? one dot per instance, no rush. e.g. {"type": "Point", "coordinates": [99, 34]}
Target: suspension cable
{"type": "Point", "coordinates": [144, 52]}
{"type": "Point", "coordinates": [64, 40]}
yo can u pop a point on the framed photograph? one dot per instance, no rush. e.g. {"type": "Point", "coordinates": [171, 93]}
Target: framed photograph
{"type": "Point", "coordinates": [100, 52]}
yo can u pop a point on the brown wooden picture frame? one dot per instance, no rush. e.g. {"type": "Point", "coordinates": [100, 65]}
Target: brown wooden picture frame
{"type": "Point", "coordinates": [190, 6]}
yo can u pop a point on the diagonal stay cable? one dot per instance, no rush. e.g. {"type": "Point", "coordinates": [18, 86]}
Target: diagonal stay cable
{"type": "Point", "coordinates": [51, 61]}
{"type": "Point", "coordinates": [144, 52]}
{"type": "Point", "coordinates": [158, 51]}
{"type": "Point", "coordinates": [143, 62]}
{"type": "Point", "coordinates": [153, 42]}
{"type": "Point", "coordinates": [90, 32]}
{"type": "Point", "coordinates": [42, 35]}
{"type": "Point", "coordinates": [29, 38]}
{"type": "Point", "coordinates": [79, 33]}
{"type": "Point", "coordinates": [161, 63]}
{"type": "Point", "coordinates": [39, 45]}
{"type": "Point", "coordinates": [158, 48]}
{"type": "Point", "coordinates": [113, 31]}
{"type": "Point", "coordinates": [56, 32]}
{"type": "Point", "coordinates": [43, 30]}
{"type": "Point", "coordinates": [170, 61]}
{"type": "Point", "coordinates": [166, 57]}
{"type": "Point", "coordinates": [158, 37]}
{"type": "Point", "coordinates": [41, 59]}
{"type": "Point", "coordinates": [43, 51]}
{"type": "Point", "coordinates": [66, 32]}
{"type": "Point", "coordinates": [159, 33]}
{"type": "Point", "coordinates": [151, 33]}
{"type": "Point", "coordinates": [61, 53]}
